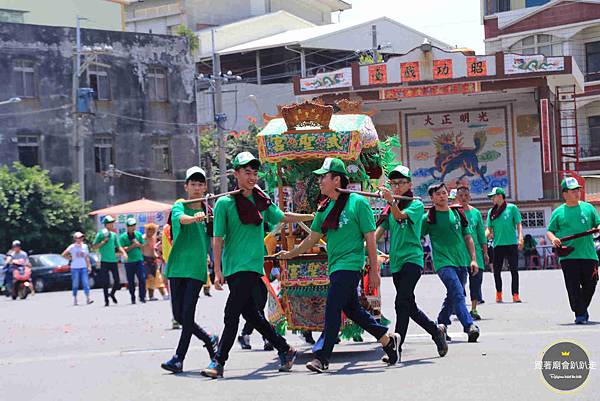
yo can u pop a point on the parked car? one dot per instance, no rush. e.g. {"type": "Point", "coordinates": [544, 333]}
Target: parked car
{"type": "Point", "coordinates": [50, 271]}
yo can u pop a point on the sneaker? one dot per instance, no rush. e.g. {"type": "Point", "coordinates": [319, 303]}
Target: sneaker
{"type": "Point", "coordinates": [114, 299]}
{"type": "Point", "coordinates": [587, 316]}
{"type": "Point", "coordinates": [516, 299]}
{"type": "Point", "coordinates": [143, 300]}
{"type": "Point", "coordinates": [481, 301]}
{"type": "Point", "coordinates": [174, 365]}
{"type": "Point", "coordinates": [475, 315]}
{"type": "Point", "coordinates": [133, 300]}
{"type": "Point", "coordinates": [214, 345]}
{"type": "Point", "coordinates": [498, 297]}
{"type": "Point", "coordinates": [287, 359]}
{"type": "Point", "coordinates": [357, 339]}
{"type": "Point", "coordinates": [175, 324]}
{"type": "Point", "coordinates": [392, 349]}
{"type": "Point", "coordinates": [89, 301]}
{"type": "Point", "coordinates": [580, 319]}
{"type": "Point", "coordinates": [307, 337]}
{"type": "Point", "coordinates": [74, 301]}
{"type": "Point", "coordinates": [440, 340]}
{"type": "Point", "coordinates": [166, 297]}
{"type": "Point", "coordinates": [268, 346]}
{"type": "Point", "coordinates": [473, 333]}
{"type": "Point", "coordinates": [214, 370]}
{"type": "Point", "coordinates": [153, 299]}
{"type": "Point", "coordinates": [207, 291]}
{"type": "Point", "coordinates": [244, 341]}
{"type": "Point", "coordinates": [317, 366]}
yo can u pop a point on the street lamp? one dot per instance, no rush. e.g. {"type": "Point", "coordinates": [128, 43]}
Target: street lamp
{"type": "Point", "coordinates": [11, 100]}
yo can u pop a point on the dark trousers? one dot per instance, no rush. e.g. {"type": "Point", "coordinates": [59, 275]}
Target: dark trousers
{"type": "Point", "coordinates": [475, 282]}
{"type": "Point", "coordinates": [260, 298]}
{"type": "Point", "coordinates": [405, 282]}
{"type": "Point", "coordinates": [581, 277]}
{"type": "Point", "coordinates": [105, 268]}
{"type": "Point", "coordinates": [184, 297]}
{"type": "Point", "coordinates": [132, 270]}
{"type": "Point", "coordinates": [511, 253]}
{"type": "Point", "coordinates": [343, 297]}
{"type": "Point", "coordinates": [241, 302]}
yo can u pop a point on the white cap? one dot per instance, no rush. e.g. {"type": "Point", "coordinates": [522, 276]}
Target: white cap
{"type": "Point", "coordinates": [194, 170]}
{"type": "Point", "coordinates": [78, 234]}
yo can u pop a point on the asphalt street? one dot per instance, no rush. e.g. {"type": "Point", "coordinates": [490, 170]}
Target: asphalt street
{"type": "Point", "coordinates": [52, 350]}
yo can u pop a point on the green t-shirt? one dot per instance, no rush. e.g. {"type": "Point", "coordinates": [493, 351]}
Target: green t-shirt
{"type": "Point", "coordinates": [345, 245]}
{"type": "Point", "coordinates": [405, 237]}
{"type": "Point", "coordinates": [447, 240]}
{"type": "Point", "coordinates": [505, 225]}
{"type": "Point", "coordinates": [569, 220]}
{"type": "Point", "coordinates": [107, 251]}
{"type": "Point", "coordinates": [477, 233]}
{"type": "Point", "coordinates": [134, 255]}
{"type": "Point", "coordinates": [190, 246]}
{"type": "Point", "coordinates": [244, 248]}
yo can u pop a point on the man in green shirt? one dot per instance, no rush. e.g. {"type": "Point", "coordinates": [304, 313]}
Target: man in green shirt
{"type": "Point", "coordinates": [402, 219]}
{"type": "Point", "coordinates": [107, 243]}
{"type": "Point", "coordinates": [580, 267]}
{"type": "Point", "coordinates": [453, 255]}
{"type": "Point", "coordinates": [463, 195]}
{"type": "Point", "coordinates": [504, 226]}
{"type": "Point", "coordinates": [347, 220]}
{"type": "Point", "coordinates": [238, 249]}
{"type": "Point", "coordinates": [186, 267]}
{"type": "Point", "coordinates": [132, 242]}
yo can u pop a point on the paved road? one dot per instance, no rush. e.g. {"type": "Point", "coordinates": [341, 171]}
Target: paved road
{"type": "Point", "coordinates": [51, 350]}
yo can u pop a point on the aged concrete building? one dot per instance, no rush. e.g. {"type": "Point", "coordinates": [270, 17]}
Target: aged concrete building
{"type": "Point", "coordinates": [143, 113]}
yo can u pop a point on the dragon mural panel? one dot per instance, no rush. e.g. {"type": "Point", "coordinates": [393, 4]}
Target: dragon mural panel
{"type": "Point", "coordinates": [464, 146]}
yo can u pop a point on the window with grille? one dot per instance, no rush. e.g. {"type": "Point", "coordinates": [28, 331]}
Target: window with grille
{"type": "Point", "coordinates": [99, 82]}
{"type": "Point", "coordinates": [29, 150]}
{"type": "Point", "coordinates": [162, 155]}
{"type": "Point", "coordinates": [103, 153]}
{"type": "Point", "coordinates": [533, 219]}
{"type": "Point", "coordinates": [24, 78]}
{"type": "Point", "coordinates": [157, 84]}
{"type": "Point", "coordinates": [547, 45]}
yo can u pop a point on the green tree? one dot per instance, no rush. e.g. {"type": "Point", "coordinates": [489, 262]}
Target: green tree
{"type": "Point", "coordinates": [40, 213]}
{"type": "Point", "coordinates": [192, 39]}
{"type": "Point", "coordinates": [235, 142]}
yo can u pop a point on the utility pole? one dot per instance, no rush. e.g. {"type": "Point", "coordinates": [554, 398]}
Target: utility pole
{"type": "Point", "coordinates": [78, 163]}
{"type": "Point", "coordinates": [90, 57]}
{"type": "Point", "coordinates": [219, 117]}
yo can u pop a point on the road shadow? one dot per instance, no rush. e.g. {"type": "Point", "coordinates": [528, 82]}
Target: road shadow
{"type": "Point", "coordinates": [590, 323]}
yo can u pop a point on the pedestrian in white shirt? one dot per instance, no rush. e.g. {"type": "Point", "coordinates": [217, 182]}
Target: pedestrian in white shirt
{"type": "Point", "coordinates": [79, 254]}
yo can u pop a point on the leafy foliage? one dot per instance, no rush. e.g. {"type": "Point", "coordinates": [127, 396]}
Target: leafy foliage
{"type": "Point", "coordinates": [41, 214]}
{"type": "Point", "coordinates": [192, 39]}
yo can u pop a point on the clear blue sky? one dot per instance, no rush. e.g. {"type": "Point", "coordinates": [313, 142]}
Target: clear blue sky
{"type": "Point", "coordinates": [456, 22]}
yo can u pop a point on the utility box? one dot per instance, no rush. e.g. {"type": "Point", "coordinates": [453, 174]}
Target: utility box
{"type": "Point", "coordinates": [84, 100]}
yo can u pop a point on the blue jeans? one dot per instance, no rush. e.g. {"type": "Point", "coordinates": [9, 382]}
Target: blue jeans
{"type": "Point", "coordinates": [454, 279]}
{"type": "Point", "coordinates": [136, 269]}
{"type": "Point", "coordinates": [77, 276]}
{"type": "Point", "coordinates": [343, 297]}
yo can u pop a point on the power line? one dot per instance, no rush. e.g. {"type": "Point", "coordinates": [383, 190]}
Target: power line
{"type": "Point", "coordinates": [141, 177]}
{"type": "Point", "coordinates": [23, 113]}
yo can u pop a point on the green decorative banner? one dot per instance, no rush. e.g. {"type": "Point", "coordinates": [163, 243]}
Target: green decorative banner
{"type": "Point", "coordinates": [309, 145]}
{"type": "Point", "coordinates": [304, 272]}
